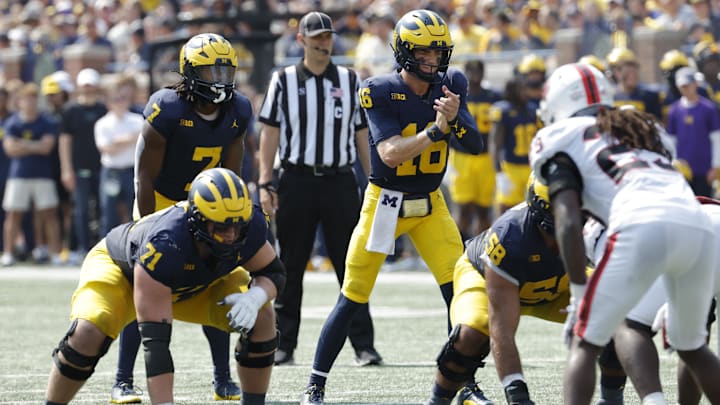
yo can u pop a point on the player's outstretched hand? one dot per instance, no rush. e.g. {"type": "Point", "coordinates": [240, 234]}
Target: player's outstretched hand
{"type": "Point", "coordinates": [244, 308]}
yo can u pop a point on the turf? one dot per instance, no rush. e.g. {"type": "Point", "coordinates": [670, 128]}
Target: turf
{"type": "Point", "coordinates": [409, 327]}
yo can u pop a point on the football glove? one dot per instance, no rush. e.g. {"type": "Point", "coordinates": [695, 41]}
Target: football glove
{"type": "Point", "coordinates": [244, 308]}
{"type": "Point", "coordinates": [659, 325]}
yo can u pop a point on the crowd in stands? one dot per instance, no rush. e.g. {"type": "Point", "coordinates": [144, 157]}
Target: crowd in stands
{"type": "Point", "coordinates": [42, 30]}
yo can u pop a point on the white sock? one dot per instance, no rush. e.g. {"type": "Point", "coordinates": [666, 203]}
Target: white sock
{"type": "Point", "coordinates": [656, 398]}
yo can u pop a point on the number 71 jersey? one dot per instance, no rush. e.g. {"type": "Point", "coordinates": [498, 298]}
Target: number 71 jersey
{"type": "Point", "coordinates": [620, 183]}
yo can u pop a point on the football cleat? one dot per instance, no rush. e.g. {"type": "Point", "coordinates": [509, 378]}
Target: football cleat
{"type": "Point", "coordinates": [313, 395]}
{"type": "Point", "coordinates": [472, 395]}
{"type": "Point", "coordinates": [368, 357]}
{"type": "Point", "coordinates": [517, 393]}
{"type": "Point", "coordinates": [226, 391]}
{"type": "Point", "coordinates": [125, 393]}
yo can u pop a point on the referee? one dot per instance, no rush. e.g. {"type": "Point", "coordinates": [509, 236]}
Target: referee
{"type": "Point", "coordinates": [311, 114]}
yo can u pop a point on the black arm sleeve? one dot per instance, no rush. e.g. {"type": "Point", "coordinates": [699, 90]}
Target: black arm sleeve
{"type": "Point", "coordinates": [561, 173]}
{"type": "Point", "coordinates": [275, 271]}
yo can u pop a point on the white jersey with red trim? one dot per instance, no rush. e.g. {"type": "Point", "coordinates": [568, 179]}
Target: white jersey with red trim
{"type": "Point", "coordinates": [621, 185]}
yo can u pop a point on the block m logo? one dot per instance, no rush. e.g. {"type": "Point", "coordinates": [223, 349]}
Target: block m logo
{"type": "Point", "coordinates": [391, 201]}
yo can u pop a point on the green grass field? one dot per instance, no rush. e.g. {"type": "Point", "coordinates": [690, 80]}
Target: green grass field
{"type": "Point", "coordinates": [409, 328]}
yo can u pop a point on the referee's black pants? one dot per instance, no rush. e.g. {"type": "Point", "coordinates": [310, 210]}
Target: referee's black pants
{"type": "Point", "coordinates": [304, 202]}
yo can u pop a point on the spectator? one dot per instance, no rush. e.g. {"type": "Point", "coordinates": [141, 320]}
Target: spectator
{"type": "Point", "coordinates": [57, 89]}
{"type": "Point", "coordinates": [695, 123]}
{"type": "Point", "coordinates": [29, 140]}
{"type": "Point", "coordinates": [372, 55]}
{"type": "Point", "coordinates": [675, 15]}
{"type": "Point", "coordinates": [706, 18]}
{"type": "Point", "coordinates": [116, 134]}
{"type": "Point", "coordinates": [79, 157]}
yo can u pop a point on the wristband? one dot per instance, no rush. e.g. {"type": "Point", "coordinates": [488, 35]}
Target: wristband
{"type": "Point", "coordinates": [434, 133]}
{"type": "Point", "coordinates": [268, 186]}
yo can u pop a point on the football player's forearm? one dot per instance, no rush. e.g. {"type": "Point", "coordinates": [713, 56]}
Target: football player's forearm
{"type": "Point", "coordinates": [506, 356]}
{"type": "Point", "coordinates": [467, 133]}
{"type": "Point", "coordinates": [269, 143]}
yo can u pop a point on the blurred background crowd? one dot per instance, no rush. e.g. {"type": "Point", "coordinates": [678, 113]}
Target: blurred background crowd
{"type": "Point", "coordinates": [80, 62]}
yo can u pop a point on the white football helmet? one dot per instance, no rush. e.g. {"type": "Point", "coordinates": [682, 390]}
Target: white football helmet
{"type": "Point", "coordinates": [571, 89]}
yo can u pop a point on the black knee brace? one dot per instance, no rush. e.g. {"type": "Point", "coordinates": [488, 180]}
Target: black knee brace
{"type": "Point", "coordinates": [245, 347]}
{"type": "Point", "coordinates": [608, 357]}
{"type": "Point", "coordinates": [469, 364]}
{"type": "Point", "coordinates": [75, 359]}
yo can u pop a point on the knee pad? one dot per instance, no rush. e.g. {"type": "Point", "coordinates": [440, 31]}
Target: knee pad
{"type": "Point", "coordinates": [76, 360]}
{"type": "Point", "coordinates": [245, 348]}
{"type": "Point", "coordinates": [468, 364]}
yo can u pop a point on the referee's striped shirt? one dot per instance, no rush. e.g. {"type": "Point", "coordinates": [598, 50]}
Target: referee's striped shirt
{"type": "Point", "coordinates": [317, 115]}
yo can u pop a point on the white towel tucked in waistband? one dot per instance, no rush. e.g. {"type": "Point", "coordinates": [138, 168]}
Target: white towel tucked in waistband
{"type": "Point", "coordinates": [382, 232]}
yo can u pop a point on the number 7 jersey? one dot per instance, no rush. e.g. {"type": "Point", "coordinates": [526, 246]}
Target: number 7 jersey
{"type": "Point", "coordinates": [620, 185]}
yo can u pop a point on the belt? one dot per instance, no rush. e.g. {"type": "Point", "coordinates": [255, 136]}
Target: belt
{"type": "Point", "coordinates": [317, 170]}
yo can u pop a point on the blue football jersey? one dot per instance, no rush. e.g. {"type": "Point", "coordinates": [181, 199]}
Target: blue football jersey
{"type": "Point", "coordinates": [514, 248]}
{"type": "Point", "coordinates": [393, 109]}
{"type": "Point", "coordinates": [479, 106]}
{"type": "Point", "coordinates": [193, 144]}
{"type": "Point", "coordinates": [520, 127]}
{"type": "Point", "coordinates": [163, 244]}
{"type": "Point", "coordinates": [642, 98]}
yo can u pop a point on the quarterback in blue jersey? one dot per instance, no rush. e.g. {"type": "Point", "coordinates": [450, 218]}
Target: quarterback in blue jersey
{"type": "Point", "coordinates": [197, 124]}
{"type": "Point", "coordinates": [179, 263]}
{"type": "Point", "coordinates": [412, 113]}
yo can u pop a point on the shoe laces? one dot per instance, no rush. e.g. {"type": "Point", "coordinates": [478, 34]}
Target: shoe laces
{"type": "Point", "coordinates": [315, 393]}
{"type": "Point", "coordinates": [128, 389]}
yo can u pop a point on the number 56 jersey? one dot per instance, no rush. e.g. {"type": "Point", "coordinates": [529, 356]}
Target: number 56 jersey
{"type": "Point", "coordinates": [620, 184]}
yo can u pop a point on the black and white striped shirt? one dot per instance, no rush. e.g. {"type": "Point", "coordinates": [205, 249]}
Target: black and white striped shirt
{"type": "Point", "coordinates": [317, 115]}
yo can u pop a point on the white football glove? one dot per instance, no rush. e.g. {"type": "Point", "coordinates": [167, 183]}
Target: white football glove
{"type": "Point", "coordinates": [244, 308]}
{"type": "Point", "coordinates": [502, 183]}
{"type": "Point", "coordinates": [659, 325]}
{"type": "Point", "coordinates": [576, 294]}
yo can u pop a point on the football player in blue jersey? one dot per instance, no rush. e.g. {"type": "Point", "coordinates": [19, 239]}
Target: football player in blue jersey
{"type": "Point", "coordinates": [180, 263]}
{"type": "Point", "coordinates": [197, 124]}
{"type": "Point", "coordinates": [473, 193]}
{"type": "Point", "coordinates": [510, 269]}
{"type": "Point", "coordinates": [514, 125]}
{"type": "Point", "coordinates": [412, 113]}
{"type": "Point", "coordinates": [707, 59]}
{"type": "Point", "coordinates": [629, 91]}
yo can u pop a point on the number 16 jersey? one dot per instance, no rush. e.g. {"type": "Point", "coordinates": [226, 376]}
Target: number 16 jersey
{"type": "Point", "coordinates": [620, 185]}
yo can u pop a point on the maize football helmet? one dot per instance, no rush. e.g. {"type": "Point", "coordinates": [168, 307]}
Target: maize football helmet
{"type": "Point", "coordinates": [531, 63]}
{"type": "Point", "coordinates": [593, 61]}
{"type": "Point", "coordinates": [673, 60]}
{"type": "Point", "coordinates": [704, 52]}
{"type": "Point", "coordinates": [207, 64]}
{"type": "Point", "coordinates": [421, 29]}
{"type": "Point", "coordinates": [538, 202]}
{"type": "Point", "coordinates": [572, 90]}
{"type": "Point", "coordinates": [220, 197]}
{"type": "Point", "coordinates": [619, 56]}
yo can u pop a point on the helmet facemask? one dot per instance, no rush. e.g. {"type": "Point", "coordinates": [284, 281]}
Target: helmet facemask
{"type": "Point", "coordinates": [207, 64]}
{"type": "Point", "coordinates": [422, 29]}
{"type": "Point", "coordinates": [212, 83]}
{"type": "Point", "coordinates": [538, 203]}
{"type": "Point", "coordinates": [218, 201]}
